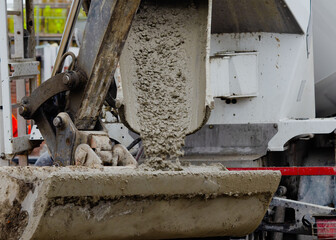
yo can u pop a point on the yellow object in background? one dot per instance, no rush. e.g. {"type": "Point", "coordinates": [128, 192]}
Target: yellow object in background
{"type": "Point", "coordinates": [48, 20]}
{"type": "Point", "coordinates": [59, 19]}
{"type": "Point", "coordinates": [38, 19]}
{"type": "Point", "coordinates": [54, 19]}
{"type": "Point", "coordinates": [48, 28]}
{"type": "Point", "coordinates": [10, 22]}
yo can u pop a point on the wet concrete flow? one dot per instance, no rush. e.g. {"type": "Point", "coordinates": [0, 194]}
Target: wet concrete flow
{"type": "Point", "coordinates": [159, 46]}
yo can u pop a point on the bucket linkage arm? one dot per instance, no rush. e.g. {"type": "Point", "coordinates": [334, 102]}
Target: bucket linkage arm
{"type": "Point", "coordinates": [69, 103]}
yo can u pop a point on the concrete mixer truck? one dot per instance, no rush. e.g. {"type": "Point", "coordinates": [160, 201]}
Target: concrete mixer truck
{"type": "Point", "coordinates": [177, 119]}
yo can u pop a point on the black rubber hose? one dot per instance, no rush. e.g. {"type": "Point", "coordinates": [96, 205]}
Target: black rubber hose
{"type": "Point", "coordinates": [135, 142]}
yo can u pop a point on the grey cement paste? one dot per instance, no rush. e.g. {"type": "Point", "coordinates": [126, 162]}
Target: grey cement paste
{"type": "Point", "coordinates": [164, 86]}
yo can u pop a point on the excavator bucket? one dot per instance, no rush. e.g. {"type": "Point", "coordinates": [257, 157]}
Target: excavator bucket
{"type": "Point", "coordinates": [131, 203]}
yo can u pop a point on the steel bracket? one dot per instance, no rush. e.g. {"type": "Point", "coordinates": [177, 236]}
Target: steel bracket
{"type": "Point", "coordinates": [68, 138]}
{"type": "Point", "coordinates": [23, 144]}
{"type": "Point", "coordinates": [35, 134]}
{"type": "Point", "coordinates": [66, 133]}
{"type": "Point", "coordinates": [304, 217]}
{"type": "Point", "coordinates": [24, 68]}
{"type": "Point", "coordinates": [290, 128]}
{"type": "Point", "coordinates": [60, 83]}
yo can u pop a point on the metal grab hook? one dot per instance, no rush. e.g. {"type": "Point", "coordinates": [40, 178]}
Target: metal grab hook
{"type": "Point", "coordinates": [67, 34]}
{"type": "Point", "coordinates": [61, 63]}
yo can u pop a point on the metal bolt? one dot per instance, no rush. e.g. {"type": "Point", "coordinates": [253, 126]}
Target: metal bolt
{"type": "Point", "coordinates": [275, 125]}
{"type": "Point", "coordinates": [282, 190]}
{"type": "Point", "coordinates": [66, 79]}
{"type": "Point", "coordinates": [24, 100]}
{"type": "Point", "coordinates": [57, 122]}
{"type": "Point", "coordinates": [24, 111]}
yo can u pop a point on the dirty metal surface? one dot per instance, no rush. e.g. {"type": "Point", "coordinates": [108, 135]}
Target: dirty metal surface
{"type": "Point", "coordinates": [22, 144]}
{"type": "Point", "coordinates": [42, 94]}
{"type": "Point", "coordinates": [236, 16]}
{"type": "Point", "coordinates": [114, 202]}
{"type": "Point", "coordinates": [68, 138]}
{"type": "Point", "coordinates": [65, 140]}
{"type": "Point", "coordinates": [85, 156]}
{"type": "Point", "coordinates": [41, 107]}
{"type": "Point", "coordinates": [304, 217]}
{"type": "Point", "coordinates": [105, 33]}
{"type": "Point", "coordinates": [47, 129]}
{"type": "Point", "coordinates": [24, 69]}
{"type": "Point", "coordinates": [242, 140]}
{"type": "Point", "coordinates": [31, 52]}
